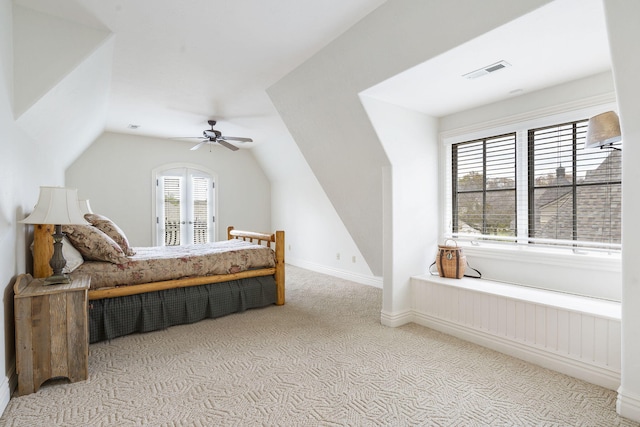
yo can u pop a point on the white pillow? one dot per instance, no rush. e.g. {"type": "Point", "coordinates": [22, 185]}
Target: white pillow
{"type": "Point", "coordinates": [71, 254]}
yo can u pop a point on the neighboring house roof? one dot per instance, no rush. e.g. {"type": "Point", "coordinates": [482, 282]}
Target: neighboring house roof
{"type": "Point", "coordinates": [598, 212]}
{"type": "Point", "coordinates": [561, 186]}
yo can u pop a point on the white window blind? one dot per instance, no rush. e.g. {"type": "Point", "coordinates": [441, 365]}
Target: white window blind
{"type": "Point", "coordinates": [574, 193]}
{"type": "Point", "coordinates": [172, 213]}
{"type": "Point", "coordinates": [484, 187]}
{"type": "Point", "coordinates": [201, 193]}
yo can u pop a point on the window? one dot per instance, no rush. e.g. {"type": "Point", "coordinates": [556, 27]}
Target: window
{"type": "Point", "coordinates": [566, 196]}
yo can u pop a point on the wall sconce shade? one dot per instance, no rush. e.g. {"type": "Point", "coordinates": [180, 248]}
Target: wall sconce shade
{"type": "Point", "coordinates": [58, 206]}
{"type": "Point", "coordinates": [603, 129]}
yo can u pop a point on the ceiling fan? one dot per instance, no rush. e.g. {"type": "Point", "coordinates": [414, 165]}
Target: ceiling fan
{"type": "Point", "coordinates": [211, 136]}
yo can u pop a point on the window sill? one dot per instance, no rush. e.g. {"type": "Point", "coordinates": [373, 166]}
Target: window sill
{"type": "Point", "coordinates": [563, 258]}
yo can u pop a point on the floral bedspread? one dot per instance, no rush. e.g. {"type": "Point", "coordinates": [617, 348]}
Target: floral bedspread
{"type": "Point", "coordinates": [152, 264]}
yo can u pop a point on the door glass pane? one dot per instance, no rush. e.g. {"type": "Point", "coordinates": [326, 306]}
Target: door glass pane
{"type": "Point", "coordinates": [200, 209]}
{"type": "Point", "coordinates": [172, 211]}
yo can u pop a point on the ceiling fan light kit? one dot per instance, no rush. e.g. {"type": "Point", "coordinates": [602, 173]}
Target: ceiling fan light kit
{"type": "Point", "coordinates": [213, 136]}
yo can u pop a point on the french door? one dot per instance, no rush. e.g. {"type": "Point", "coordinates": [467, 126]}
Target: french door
{"type": "Point", "coordinates": [184, 207]}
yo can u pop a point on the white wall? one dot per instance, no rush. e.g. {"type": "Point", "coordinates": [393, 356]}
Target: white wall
{"type": "Point", "coordinates": [23, 169]}
{"type": "Point", "coordinates": [62, 73]}
{"type": "Point", "coordinates": [624, 34]}
{"type": "Point", "coordinates": [324, 244]}
{"type": "Point", "coordinates": [410, 140]}
{"type": "Point", "coordinates": [17, 194]}
{"type": "Point", "coordinates": [320, 105]}
{"type": "Point", "coordinates": [547, 101]}
{"type": "Point", "coordinates": [316, 236]}
{"type": "Point", "coordinates": [115, 174]}
{"type": "Point", "coordinates": [43, 39]}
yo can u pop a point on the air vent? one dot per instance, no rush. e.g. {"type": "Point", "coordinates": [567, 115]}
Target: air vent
{"type": "Point", "coordinates": [486, 70]}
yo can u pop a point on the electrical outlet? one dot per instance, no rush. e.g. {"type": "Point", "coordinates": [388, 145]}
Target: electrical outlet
{"type": "Point", "coordinates": [289, 247]}
{"type": "Point", "coordinates": [353, 258]}
{"type": "Point", "coordinates": [338, 256]}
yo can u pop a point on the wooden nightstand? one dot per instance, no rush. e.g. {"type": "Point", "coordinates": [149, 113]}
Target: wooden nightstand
{"type": "Point", "coordinates": [52, 337]}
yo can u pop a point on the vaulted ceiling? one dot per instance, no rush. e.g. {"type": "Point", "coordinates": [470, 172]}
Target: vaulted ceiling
{"type": "Point", "coordinates": [177, 64]}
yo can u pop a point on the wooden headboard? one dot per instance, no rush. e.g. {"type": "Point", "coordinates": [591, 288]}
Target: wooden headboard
{"type": "Point", "coordinates": [42, 250]}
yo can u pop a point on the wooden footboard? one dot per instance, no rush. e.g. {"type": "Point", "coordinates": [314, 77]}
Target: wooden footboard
{"type": "Point", "coordinates": [259, 238]}
{"type": "Point", "coordinates": [43, 249]}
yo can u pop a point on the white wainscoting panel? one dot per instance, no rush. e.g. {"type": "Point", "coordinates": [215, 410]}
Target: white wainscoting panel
{"type": "Point", "coordinates": [5, 394]}
{"type": "Point", "coordinates": [571, 334]}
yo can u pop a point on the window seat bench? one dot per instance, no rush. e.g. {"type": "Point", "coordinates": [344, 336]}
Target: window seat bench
{"type": "Point", "coordinates": [572, 334]}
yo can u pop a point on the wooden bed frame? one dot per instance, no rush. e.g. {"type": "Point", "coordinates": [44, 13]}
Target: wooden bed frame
{"type": "Point", "coordinates": [43, 250]}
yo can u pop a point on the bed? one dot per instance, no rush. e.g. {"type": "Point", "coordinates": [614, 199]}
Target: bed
{"type": "Point", "coordinates": [122, 302]}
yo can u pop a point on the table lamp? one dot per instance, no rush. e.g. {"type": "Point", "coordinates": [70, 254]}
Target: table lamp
{"type": "Point", "coordinates": [85, 207]}
{"type": "Point", "coordinates": [58, 206]}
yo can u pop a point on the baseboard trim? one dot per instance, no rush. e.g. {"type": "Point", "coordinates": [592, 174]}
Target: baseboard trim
{"type": "Point", "coordinates": [628, 405]}
{"type": "Point", "coordinates": [394, 320]}
{"type": "Point", "coordinates": [593, 374]}
{"type": "Point", "coordinates": [342, 274]}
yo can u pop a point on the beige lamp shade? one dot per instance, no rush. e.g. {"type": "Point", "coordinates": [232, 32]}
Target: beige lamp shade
{"type": "Point", "coordinates": [58, 206]}
{"type": "Point", "coordinates": [603, 129]}
{"type": "Point", "coordinates": [85, 207]}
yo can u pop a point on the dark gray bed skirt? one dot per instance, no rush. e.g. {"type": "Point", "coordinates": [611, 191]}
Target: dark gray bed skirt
{"type": "Point", "coordinates": [114, 317]}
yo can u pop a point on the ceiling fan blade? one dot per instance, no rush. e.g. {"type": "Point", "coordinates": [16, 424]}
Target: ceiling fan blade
{"type": "Point", "coordinates": [200, 144]}
{"type": "Point", "coordinates": [236, 138]}
{"type": "Point", "coordinates": [226, 144]}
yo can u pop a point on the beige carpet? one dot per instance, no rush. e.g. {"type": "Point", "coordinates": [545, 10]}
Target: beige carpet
{"type": "Point", "coordinates": [321, 360]}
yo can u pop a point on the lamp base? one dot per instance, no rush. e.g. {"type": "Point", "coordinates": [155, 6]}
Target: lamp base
{"type": "Point", "coordinates": [57, 261]}
{"type": "Point", "coordinates": [57, 280]}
